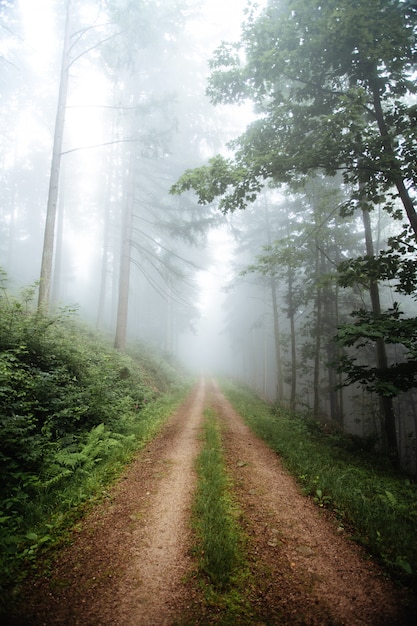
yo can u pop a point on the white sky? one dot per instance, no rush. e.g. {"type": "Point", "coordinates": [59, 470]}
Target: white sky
{"type": "Point", "coordinates": [224, 17]}
{"type": "Point", "coordinates": [39, 30]}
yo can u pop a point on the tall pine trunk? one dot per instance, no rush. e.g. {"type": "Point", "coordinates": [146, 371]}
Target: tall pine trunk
{"type": "Point", "coordinates": [317, 331]}
{"type": "Point", "coordinates": [125, 258]}
{"type": "Point", "coordinates": [385, 402]}
{"type": "Point", "coordinates": [277, 339]}
{"type": "Point", "coordinates": [291, 315]}
{"type": "Point", "coordinates": [51, 210]}
{"type": "Point", "coordinates": [277, 342]}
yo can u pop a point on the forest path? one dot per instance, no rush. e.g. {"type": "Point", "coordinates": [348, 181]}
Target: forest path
{"type": "Point", "coordinates": [130, 560]}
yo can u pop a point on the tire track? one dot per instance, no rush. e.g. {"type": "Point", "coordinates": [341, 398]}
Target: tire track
{"type": "Point", "coordinates": [128, 557]}
{"type": "Point", "coordinates": [152, 587]}
{"type": "Point", "coordinates": [308, 572]}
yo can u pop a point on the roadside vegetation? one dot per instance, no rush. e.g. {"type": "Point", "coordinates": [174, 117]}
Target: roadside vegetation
{"type": "Point", "coordinates": [375, 503]}
{"type": "Point", "coordinates": [72, 413]}
{"type": "Point", "coordinates": [222, 572]}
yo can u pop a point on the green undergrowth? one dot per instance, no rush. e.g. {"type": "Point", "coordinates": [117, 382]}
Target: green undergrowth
{"type": "Point", "coordinates": [73, 411]}
{"type": "Point", "coordinates": [374, 502]}
{"type": "Point", "coordinates": [219, 540]}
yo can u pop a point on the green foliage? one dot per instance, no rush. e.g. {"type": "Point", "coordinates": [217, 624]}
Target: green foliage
{"type": "Point", "coordinates": [394, 329]}
{"type": "Point", "coordinates": [220, 178]}
{"type": "Point", "coordinates": [72, 410]}
{"type": "Point", "coordinates": [318, 75]}
{"type": "Point", "coordinates": [397, 264]}
{"type": "Point", "coordinates": [371, 500]}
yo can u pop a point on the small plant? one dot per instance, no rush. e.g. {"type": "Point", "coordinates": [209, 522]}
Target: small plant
{"type": "Point", "coordinates": [321, 499]}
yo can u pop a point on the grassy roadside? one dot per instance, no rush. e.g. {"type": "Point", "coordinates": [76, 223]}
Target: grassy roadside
{"type": "Point", "coordinates": [222, 573]}
{"type": "Point", "coordinates": [375, 503]}
{"type": "Point", "coordinates": [54, 511]}
{"type": "Point", "coordinates": [73, 411]}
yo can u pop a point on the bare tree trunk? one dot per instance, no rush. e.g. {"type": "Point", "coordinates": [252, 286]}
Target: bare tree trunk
{"type": "Point", "coordinates": [108, 191]}
{"type": "Point", "coordinates": [385, 402]}
{"type": "Point", "coordinates": [124, 275]}
{"type": "Point", "coordinates": [49, 236]}
{"type": "Point", "coordinates": [317, 331]}
{"type": "Point", "coordinates": [395, 169]}
{"type": "Point", "coordinates": [291, 314]}
{"type": "Point", "coordinates": [104, 256]}
{"type": "Point", "coordinates": [59, 239]}
{"type": "Point", "coordinates": [277, 341]}
{"type": "Point", "coordinates": [169, 319]}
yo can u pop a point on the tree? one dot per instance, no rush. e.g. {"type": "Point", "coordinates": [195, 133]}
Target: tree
{"type": "Point", "coordinates": [281, 259]}
{"type": "Point", "coordinates": [332, 84]}
{"type": "Point", "coordinates": [49, 236]}
{"type": "Point", "coordinates": [70, 55]}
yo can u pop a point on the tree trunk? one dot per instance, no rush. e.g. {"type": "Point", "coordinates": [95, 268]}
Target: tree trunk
{"type": "Point", "coordinates": [291, 314]}
{"type": "Point", "coordinates": [335, 353]}
{"type": "Point", "coordinates": [277, 339]}
{"type": "Point", "coordinates": [277, 342]}
{"type": "Point", "coordinates": [124, 275]}
{"type": "Point", "coordinates": [49, 236]}
{"type": "Point", "coordinates": [386, 403]}
{"type": "Point", "coordinates": [56, 294]}
{"type": "Point", "coordinates": [318, 332]}
{"type": "Point", "coordinates": [104, 257]}
{"type": "Point", "coordinates": [395, 170]}
{"type": "Point", "coordinates": [169, 318]}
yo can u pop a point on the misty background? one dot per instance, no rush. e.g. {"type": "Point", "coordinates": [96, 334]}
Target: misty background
{"type": "Point", "coordinates": [137, 75]}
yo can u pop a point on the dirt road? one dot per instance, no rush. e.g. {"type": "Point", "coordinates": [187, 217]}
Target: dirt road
{"type": "Point", "coordinates": [130, 561]}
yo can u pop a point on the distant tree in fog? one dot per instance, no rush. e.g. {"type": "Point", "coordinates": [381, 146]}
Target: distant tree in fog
{"type": "Point", "coordinates": [51, 209]}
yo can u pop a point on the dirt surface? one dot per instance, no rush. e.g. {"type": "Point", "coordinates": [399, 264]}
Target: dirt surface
{"type": "Point", "coordinates": [130, 562]}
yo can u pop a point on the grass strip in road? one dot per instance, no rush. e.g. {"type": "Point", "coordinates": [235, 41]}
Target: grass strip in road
{"type": "Point", "coordinates": [222, 571]}
{"type": "Point", "coordinates": [217, 529]}
{"type": "Point", "coordinates": [376, 503]}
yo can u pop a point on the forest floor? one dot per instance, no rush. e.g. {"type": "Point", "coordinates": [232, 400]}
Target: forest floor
{"type": "Point", "coordinates": [130, 562]}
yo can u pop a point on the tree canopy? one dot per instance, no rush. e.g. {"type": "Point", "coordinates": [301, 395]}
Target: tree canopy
{"type": "Point", "coordinates": [332, 85]}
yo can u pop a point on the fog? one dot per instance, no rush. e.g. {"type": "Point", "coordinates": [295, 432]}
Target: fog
{"type": "Point", "coordinates": [208, 348]}
{"type": "Point", "coordinates": [177, 259]}
{"type": "Point", "coordinates": [97, 126]}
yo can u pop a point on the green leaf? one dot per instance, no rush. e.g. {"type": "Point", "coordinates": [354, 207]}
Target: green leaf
{"type": "Point", "coordinates": [404, 564]}
{"type": "Point", "coordinates": [391, 498]}
{"type": "Point", "coordinates": [32, 536]}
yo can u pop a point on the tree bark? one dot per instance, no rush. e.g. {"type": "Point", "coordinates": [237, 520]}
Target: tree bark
{"type": "Point", "coordinates": [277, 339]}
{"type": "Point", "coordinates": [385, 402]}
{"type": "Point", "coordinates": [318, 335]}
{"type": "Point", "coordinates": [277, 342]}
{"type": "Point", "coordinates": [396, 177]}
{"type": "Point", "coordinates": [124, 275]}
{"type": "Point", "coordinates": [51, 210]}
{"type": "Point", "coordinates": [104, 257]}
{"type": "Point", "coordinates": [291, 313]}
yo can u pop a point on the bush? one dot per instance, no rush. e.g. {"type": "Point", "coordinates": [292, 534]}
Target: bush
{"type": "Point", "coordinates": [68, 403]}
